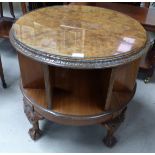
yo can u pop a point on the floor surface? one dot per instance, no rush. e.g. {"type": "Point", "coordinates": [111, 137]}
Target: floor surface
{"type": "Point", "coordinates": [136, 134]}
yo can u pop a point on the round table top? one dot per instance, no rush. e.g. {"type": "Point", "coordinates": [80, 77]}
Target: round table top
{"type": "Point", "coordinates": [79, 36]}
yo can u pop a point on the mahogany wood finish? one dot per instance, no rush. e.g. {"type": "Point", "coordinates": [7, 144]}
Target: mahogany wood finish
{"type": "Point", "coordinates": [24, 8]}
{"type": "Point", "coordinates": [113, 94]}
{"type": "Point", "coordinates": [49, 83]}
{"type": "Point", "coordinates": [146, 17]}
{"type": "Point", "coordinates": [33, 117]}
{"type": "Point", "coordinates": [30, 78]}
{"type": "Point", "coordinates": [76, 96]}
{"type": "Point", "coordinates": [112, 126]}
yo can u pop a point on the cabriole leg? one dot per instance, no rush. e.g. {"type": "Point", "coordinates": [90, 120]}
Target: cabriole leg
{"type": "Point", "coordinates": [111, 127]}
{"type": "Point", "coordinates": [34, 118]}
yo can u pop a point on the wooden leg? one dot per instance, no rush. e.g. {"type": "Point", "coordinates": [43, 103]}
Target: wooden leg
{"type": "Point", "coordinates": [2, 75]}
{"type": "Point", "coordinates": [48, 84]}
{"type": "Point", "coordinates": [112, 126]}
{"type": "Point", "coordinates": [1, 9]}
{"type": "Point", "coordinates": [33, 117]}
{"type": "Point", "coordinates": [23, 6]}
{"type": "Point", "coordinates": [11, 9]}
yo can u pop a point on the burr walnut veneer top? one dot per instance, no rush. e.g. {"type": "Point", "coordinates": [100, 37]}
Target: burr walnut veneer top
{"type": "Point", "coordinates": [80, 32]}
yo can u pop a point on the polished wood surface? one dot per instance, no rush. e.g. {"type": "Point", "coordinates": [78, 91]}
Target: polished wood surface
{"type": "Point", "coordinates": [126, 76]}
{"type": "Point", "coordinates": [145, 16]}
{"type": "Point", "coordinates": [80, 32]}
{"type": "Point", "coordinates": [63, 102]}
{"type": "Point", "coordinates": [31, 78]}
{"type": "Point", "coordinates": [49, 84]}
{"type": "Point", "coordinates": [94, 90]}
{"type": "Point", "coordinates": [142, 14]}
{"type": "Point", "coordinates": [78, 96]}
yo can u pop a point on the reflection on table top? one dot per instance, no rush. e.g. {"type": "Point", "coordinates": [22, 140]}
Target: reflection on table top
{"type": "Point", "coordinates": [80, 32]}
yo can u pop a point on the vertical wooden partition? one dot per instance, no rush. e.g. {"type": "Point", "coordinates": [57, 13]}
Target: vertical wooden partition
{"type": "Point", "coordinates": [126, 76]}
{"type": "Point", "coordinates": [32, 75]}
{"type": "Point", "coordinates": [49, 78]}
{"type": "Point", "coordinates": [78, 91]}
{"type": "Point", "coordinates": [109, 89]}
{"type": "Point", "coordinates": [122, 82]}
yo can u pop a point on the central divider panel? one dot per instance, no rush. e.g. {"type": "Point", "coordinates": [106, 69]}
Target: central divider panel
{"type": "Point", "coordinates": [76, 92]}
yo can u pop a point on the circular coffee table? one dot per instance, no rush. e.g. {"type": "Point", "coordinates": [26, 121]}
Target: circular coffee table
{"type": "Point", "coordinates": [78, 65]}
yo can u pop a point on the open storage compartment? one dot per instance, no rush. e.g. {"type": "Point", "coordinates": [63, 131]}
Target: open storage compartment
{"type": "Point", "coordinates": [74, 91]}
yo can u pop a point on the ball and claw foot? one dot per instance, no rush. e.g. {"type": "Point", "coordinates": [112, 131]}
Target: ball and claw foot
{"type": "Point", "coordinates": [35, 134]}
{"type": "Point", "coordinates": [109, 141]}
{"type": "Point", "coordinates": [112, 127]}
{"type": "Point", "coordinates": [34, 117]}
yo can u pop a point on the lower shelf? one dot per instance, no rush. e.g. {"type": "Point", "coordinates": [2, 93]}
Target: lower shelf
{"type": "Point", "coordinates": [69, 104]}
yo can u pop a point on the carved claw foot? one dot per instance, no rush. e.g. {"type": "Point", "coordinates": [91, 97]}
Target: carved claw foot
{"type": "Point", "coordinates": [110, 141]}
{"type": "Point", "coordinates": [35, 133]}
{"type": "Point", "coordinates": [111, 127]}
{"type": "Point", "coordinates": [33, 117]}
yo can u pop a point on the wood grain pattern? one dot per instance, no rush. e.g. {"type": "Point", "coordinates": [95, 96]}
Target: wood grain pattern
{"type": "Point", "coordinates": [81, 32]}
{"type": "Point", "coordinates": [31, 72]}
{"type": "Point", "coordinates": [80, 92]}
{"type": "Point", "coordinates": [66, 103]}
{"type": "Point", "coordinates": [79, 96]}
{"type": "Point", "coordinates": [109, 92]}
{"type": "Point", "coordinates": [145, 16]}
{"type": "Point", "coordinates": [49, 84]}
{"type": "Point", "coordinates": [126, 76]}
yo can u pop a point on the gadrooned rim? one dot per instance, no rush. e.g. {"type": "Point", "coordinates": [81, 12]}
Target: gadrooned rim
{"type": "Point", "coordinates": [68, 62]}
